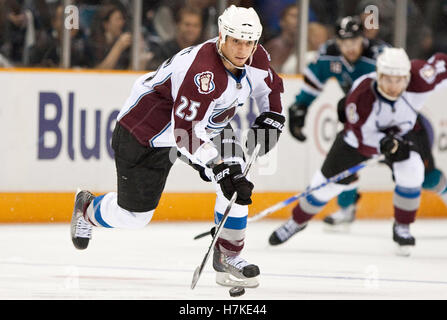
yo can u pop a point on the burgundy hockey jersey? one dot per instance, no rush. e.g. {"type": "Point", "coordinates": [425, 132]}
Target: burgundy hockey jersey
{"type": "Point", "coordinates": [192, 97]}
{"type": "Point", "coordinates": [370, 117]}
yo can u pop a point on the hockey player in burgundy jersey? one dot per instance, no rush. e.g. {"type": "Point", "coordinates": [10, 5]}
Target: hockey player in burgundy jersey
{"type": "Point", "coordinates": [186, 106]}
{"type": "Point", "coordinates": [381, 111]}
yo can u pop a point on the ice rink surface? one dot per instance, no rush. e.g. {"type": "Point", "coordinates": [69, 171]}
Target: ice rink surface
{"type": "Point", "coordinates": [157, 262]}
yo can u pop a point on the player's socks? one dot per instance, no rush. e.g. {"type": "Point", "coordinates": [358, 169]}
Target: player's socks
{"type": "Point", "coordinates": [342, 216]}
{"type": "Point", "coordinates": [346, 214]}
{"type": "Point", "coordinates": [285, 232]}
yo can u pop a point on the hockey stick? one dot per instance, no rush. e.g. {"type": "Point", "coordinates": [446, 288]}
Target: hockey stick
{"type": "Point", "coordinates": [342, 175]}
{"type": "Point", "coordinates": [219, 227]}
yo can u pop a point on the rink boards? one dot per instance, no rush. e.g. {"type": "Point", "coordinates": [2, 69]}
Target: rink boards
{"type": "Point", "coordinates": [56, 128]}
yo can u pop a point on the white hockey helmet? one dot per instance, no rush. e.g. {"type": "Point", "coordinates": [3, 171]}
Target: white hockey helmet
{"type": "Point", "coordinates": [393, 62]}
{"type": "Point", "coordinates": [240, 23]}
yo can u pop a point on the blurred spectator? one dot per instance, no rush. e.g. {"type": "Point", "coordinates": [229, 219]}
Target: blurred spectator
{"type": "Point", "coordinates": [17, 32]}
{"type": "Point", "coordinates": [326, 11]}
{"type": "Point", "coordinates": [4, 63]}
{"type": "Point", "coordinates": [48, 50]}
{"type": "Point", "coordinates": [164, 20]}
{"type": "Point", "coordinates": [436, 15]}
{"type": "Point", "coordinates": [150, 8]}
{"type": "Point", "coordinates": [271, 12]}
{"type": "Point", "coordinates": [41, 10]}
{"type": "Point", "coordinates": [209, 16]}
{"type": "Point", "coordinates": [109, 42]}
{"type": "Point", "coordinates": [282, 48]}
{"type": "Point", "coordinates": [317, 35]}
{"type": "Point", "coordinates": [188, 33]}
{"type": "Point", "coordinates": [87, 13]}
{"type": "Point", "coordinates": [419, 36]}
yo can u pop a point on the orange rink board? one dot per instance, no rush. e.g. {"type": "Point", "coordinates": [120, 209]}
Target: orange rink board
{"type": "Point", "coordinates": [57, 207]}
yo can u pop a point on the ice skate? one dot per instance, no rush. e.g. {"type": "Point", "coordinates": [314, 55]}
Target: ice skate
{"type": "Point", "coordinates": [285, 232]}
{"type": "Point", "coordinates": [341, 220]}
{"type": "Point", "coordinates": [404, 240]}
{"type": "Point", "coordinates": [81, 230]}
{"type": "Point", "coordinates": [234, 271]}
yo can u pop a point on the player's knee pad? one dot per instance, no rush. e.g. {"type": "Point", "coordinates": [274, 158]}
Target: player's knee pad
{"type": "Point", "coordinates": [131, 220]}
{"type": "Point", "coordinates": [109, 214]}
{"type": "Point", "coordinates": [409, 173]}
{"type": "Point", "coordinates": [140, 219]}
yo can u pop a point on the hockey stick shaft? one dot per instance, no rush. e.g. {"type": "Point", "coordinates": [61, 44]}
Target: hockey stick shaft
{"type": "Point", "coordinates": [284, 203]}
{"type": "Point", "coordinates": [219, 227]}
{"type": "Point", "coordinates": [342, 175]}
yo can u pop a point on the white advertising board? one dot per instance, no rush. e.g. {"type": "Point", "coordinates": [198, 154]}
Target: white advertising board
{"type": "Point", "coordinates": [56, 129]}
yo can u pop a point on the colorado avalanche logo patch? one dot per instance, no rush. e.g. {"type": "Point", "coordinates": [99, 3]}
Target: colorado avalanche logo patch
{"type": "Point", "coordinates": [221, 118]}
{"type": "Point", "coordinates": [428, 73]}
{"type": "Point", "coordinates": [204, 82]}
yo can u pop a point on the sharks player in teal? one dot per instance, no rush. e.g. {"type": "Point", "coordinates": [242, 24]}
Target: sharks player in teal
{"type": "Point", "coordinates": [345, 58]}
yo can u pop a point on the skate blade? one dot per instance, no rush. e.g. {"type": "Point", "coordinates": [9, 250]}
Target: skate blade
{"type": "Point", "coordinates": [403, 251]}
{"type": "Point", "coordinates": [337, 228]}
{"type": "Point", "coordinates": [227, 280]}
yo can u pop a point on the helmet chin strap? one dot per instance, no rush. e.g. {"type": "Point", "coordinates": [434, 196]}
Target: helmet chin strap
{"type": "Point", "coordinates": [219, 50]}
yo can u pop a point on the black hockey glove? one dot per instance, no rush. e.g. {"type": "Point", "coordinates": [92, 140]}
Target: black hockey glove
{"type": "Point", "coordinates": [297, 117]}
{"type": "Point", "coordinates": [230, 178]}
{"type": "Point", "coordinates": [197, 167]}
{"type": "Point", "coordinates": [341, 110]}
{"type": "Point", "coordinates": [201, 172]}
{"type": "Point", "coordinates": [395, 148]}
{"type": "Point", "coordinates": [265, 131]}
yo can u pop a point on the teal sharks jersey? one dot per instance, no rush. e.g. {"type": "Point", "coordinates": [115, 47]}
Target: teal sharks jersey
{"type": "Point", "coordinates": [330, 63]}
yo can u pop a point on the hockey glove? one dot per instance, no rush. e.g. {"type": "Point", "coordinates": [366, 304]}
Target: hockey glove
{"type": "Point", "coordinates": [297, 117]}
{"type": "Point", "coordinates": [265, 131]}
{"type": "Point", "coordinates": [201, 172]}
{"type": "Point", "coordinates": [341, 110]}
{"type": "Point", "coordinates": [394, 148]}
{"type": "Point", "coordinates": [197, 167]}
{"type": "Point", "coordinates": [231, 180]}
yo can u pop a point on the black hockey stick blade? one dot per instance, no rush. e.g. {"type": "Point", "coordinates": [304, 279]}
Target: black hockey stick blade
{"type": "Point", "coordinates": [204, 234]}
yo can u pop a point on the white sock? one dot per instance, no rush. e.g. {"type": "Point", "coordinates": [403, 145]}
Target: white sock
{"type": "Point", "coordinates": [107, 213]}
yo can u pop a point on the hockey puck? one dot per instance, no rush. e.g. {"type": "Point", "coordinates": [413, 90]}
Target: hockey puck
{"type": "Point", "coordinates": [237, 291]}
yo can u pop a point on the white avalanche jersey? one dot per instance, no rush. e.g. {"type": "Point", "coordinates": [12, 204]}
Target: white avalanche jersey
{"type": "Point", "coordinates": [369, 116]}
{"type": "Point", "coordinates": [192, 97]}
